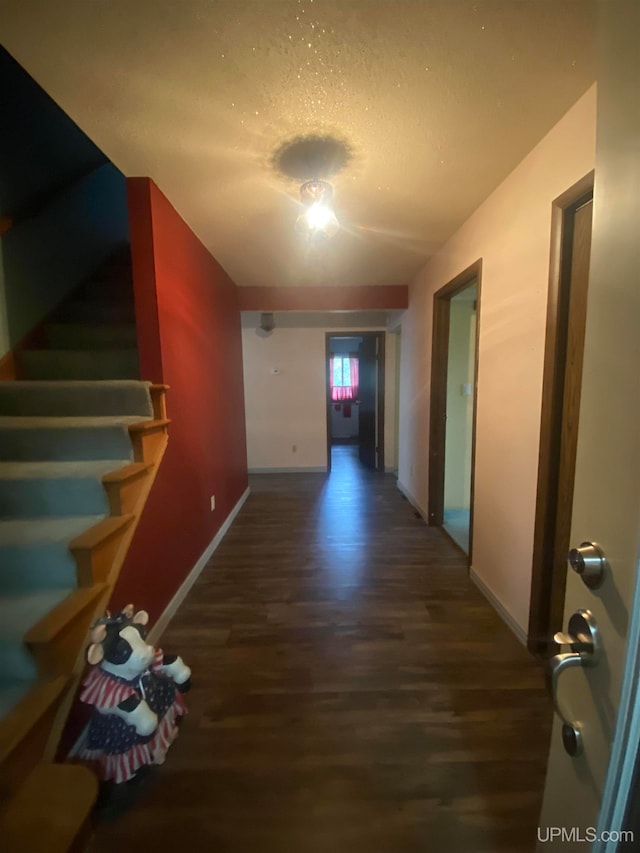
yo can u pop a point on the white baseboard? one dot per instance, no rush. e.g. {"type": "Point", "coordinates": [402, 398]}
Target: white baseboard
{"type": "Point", "coordinates": [320, 470]}
{"type": "Point", "coordinates": [169, 612]}
{"type": "Point", "coordinates": [497, 605]}
{"type": "Point", "coordinates": [413, 501]}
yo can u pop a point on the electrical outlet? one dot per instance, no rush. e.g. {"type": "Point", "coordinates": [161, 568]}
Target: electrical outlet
{"type": "Point", "coordinates": [213, 502]}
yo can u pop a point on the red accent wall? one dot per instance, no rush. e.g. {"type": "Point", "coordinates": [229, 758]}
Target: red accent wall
{"type": "Point", "coordinates": [189, 338]}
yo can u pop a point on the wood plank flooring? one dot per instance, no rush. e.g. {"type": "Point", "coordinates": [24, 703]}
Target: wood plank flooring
{"type": "Point", "coordinates": [353, 691]}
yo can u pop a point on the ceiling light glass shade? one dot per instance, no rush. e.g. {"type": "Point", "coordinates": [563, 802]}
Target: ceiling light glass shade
{"type": "Point", "coordinates": [318, 220]}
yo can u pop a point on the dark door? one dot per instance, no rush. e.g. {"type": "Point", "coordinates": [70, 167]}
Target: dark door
{"type": "Point", "coordinates": [368, 394]}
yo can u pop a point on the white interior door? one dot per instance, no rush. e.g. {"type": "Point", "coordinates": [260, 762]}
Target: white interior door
{"type": "Point", "coordinates": [606, 505]}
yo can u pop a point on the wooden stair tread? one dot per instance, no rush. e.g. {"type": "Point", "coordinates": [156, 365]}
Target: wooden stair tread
{"type": "Point", "coordinates": [49, 809]}
{"type": "Point", "coordinates": [59, 617]}
{"type": "Point", "coordinates": [21, 719]}
{"type": "Point", "coordinates": [127, 472]}
{"type": "Point", "coordinates": [101, 531]}
{"type": "Point", "coordinates": [149, 426]}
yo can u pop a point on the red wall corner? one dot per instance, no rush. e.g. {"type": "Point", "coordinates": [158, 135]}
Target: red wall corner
{"type": "Point", "coordinates": [189, 337]}
{"type": "Point", "coordinates": [143, 266]}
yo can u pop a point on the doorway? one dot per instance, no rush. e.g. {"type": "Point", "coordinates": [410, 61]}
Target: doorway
{"type": "Point", "coordinates": [453, 404]}
{"type": "Point", "coordinates": [355, 397]}
{"type": "Point", "coordinates": [566, 320]}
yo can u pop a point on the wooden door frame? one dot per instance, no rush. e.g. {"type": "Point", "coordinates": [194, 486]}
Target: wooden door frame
{"type": "Point", "coordinates": [380, 336]}
{"type": "Point", "coordinates": [547, 585]}
{"type": "Point", "coordinates": [438, 398]}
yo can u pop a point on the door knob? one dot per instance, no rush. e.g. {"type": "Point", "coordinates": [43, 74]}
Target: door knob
{"type": "Point", "coordinates": [583, 640]}
{"type": "Point", "coordinates": [588, 560]}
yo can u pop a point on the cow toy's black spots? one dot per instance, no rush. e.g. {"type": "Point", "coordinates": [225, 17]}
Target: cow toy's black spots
{"type": "Point", "coordinates": [136, 693]}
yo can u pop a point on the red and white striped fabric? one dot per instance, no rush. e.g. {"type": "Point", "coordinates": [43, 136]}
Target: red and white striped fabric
{"type": "Point", "coordinates": [104, 691]}
{"type": "Point", "coordinates": [122, 767]}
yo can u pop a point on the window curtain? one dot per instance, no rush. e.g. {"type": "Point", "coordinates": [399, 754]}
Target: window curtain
{"type": "Point", "coordinates": [354, 368]}
{"type": "Point", "coordinates": [343, 377]}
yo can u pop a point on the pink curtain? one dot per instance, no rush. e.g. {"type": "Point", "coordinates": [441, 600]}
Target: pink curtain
{"type": "Point", "coordinates": [345, 392]}
{"type": "Point", "coordinates": [355, 374]}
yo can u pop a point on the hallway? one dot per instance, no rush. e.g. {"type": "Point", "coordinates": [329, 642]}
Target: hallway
{"type": "Point", "coordinates": [354, 693]}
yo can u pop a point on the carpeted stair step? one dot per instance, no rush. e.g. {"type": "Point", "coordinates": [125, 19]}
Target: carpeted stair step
{"type": "Point", "coordinates": [75, 399]}
{"type": "Point", "coordinates": [39, 439]}
{"type": "Point", "coordinates": [50, 489]}
{"type": "Point", "coordinates": [79, 364]}
{"type": "Point", "coordinates": [91, 336]}
{"type": "Point", "coordinates": [98, 311]}
{"type": "Point", "coordinates": [34, 553]}
{"type": "Point", "coordinates": [18, 614]}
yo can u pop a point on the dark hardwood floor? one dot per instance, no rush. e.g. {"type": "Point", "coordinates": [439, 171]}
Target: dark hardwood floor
{"type": "Point", "coordinates": [353, 691]}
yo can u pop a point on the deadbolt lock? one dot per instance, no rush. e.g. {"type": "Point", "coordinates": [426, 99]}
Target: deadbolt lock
{"type": "Point", "coordinates": [588, 561]}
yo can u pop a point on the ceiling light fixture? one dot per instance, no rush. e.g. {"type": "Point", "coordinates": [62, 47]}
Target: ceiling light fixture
{"type": "Point", "coordinates": [318, 220]}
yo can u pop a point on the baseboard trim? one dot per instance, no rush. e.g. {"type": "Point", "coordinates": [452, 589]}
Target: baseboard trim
{"type": "Point", "coordinates": [413, 501]}
{"type": "Point", "coordinates": [321, 470]}
{"type": "Point", "coordinates": [169, 612]}
{"type": "Point", "coordinates": [498, 606]}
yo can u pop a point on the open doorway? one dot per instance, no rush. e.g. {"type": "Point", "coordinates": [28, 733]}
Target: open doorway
{"type": "Point", "coordinates": [453, 398]}
{"type": "Point", "coordinates": [355, 398]}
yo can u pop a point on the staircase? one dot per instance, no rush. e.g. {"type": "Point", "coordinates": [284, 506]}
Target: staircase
{"type": "Point", "coordinates": [80, 442]}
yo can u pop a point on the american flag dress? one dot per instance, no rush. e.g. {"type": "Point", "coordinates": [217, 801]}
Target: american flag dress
{"type": "Point", "coordinates": [114, 749]}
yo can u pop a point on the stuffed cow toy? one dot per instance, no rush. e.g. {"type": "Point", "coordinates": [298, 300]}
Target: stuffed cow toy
{"type": "Point", "coordinates": [136, 693]}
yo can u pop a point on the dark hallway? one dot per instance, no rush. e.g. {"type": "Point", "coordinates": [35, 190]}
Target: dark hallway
{"type": "Point", "coordinates": [353, 691]}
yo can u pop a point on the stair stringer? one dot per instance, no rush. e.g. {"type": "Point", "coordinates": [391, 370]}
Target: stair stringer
{"type": "Point", "coordinates": [110, 582]}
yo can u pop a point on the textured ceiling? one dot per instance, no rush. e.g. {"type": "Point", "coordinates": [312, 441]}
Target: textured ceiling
{"type": "Point", "coordinates": [435, 101]}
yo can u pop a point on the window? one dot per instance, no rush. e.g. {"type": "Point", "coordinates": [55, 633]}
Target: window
{"type": "Point", "coordinates": [343, 377]}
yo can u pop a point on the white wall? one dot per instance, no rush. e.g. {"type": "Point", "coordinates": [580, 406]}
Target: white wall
{"type": "Point", "coordinates": [510, 231]}
{"type": "Point", "coordinates": [288, 409]}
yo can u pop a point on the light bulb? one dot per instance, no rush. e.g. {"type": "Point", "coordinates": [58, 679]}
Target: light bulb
{"type": "Point", "coordinates": [318, 220]}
